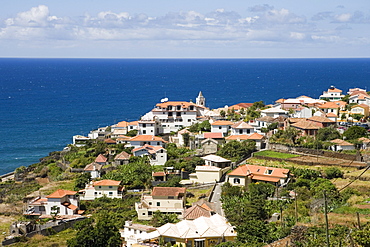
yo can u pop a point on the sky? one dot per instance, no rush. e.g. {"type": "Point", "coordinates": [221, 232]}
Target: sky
{"type": "Point", "coordinates": [185, 29]}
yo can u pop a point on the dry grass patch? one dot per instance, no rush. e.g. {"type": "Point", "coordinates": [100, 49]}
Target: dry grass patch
{"type": "Point", "coordinates": [57, 240]}
{"type": "Point", "coordinates": [198, 193]}
{"type": "Point", "coordinates": [362, 186]}
{"type": "Point", "coordinates": [5, 222]}
{"type": "Point", "coordinates": [53, 186]}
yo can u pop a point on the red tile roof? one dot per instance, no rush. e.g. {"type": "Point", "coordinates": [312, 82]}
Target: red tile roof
{"type": "Point", "coordinates": [241, 125]}
{"type": "Point", "coordinates": [195, 212]}
{"type": "Point", "coordinates": [183, 104]}
{"type": "Point", "coordinates": [341, 142]}
{"type": "Point", "coordinates": [305, 125]}
{"type": "Point", "coordinates": [217, 135]}
{"type": "Point", "coordinates": [260, 172]}
{"type": "Point", "coordinates": [107, 182]}
{"type": "Point", "coordinates": [61, 193]}
{"type": "Point", "coordinates": [320, 119]}
{"type": "Point", "coordinates": [122, 124]}
{"type": "Point", "coordinates": [122, 156]}
{"type": "Point", "coordinates": [93, 167]}
{"type": "Point", "coordinates": [168, 191]}
{"type": "Point", "coordinates": [100, 159]}
{"type": "Point", "coordinates": [220, 122]}
{"type": "Point", "coordinates": [147, 138]}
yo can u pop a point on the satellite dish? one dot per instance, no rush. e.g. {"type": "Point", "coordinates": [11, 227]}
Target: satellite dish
{"type": "Point", "coordinates": [164, 100]}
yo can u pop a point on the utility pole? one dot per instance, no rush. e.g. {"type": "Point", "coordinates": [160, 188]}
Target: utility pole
{"type": "Point", "coordinates": [296, 206]}
{"type": "Point", "coordinates": [326, 219]}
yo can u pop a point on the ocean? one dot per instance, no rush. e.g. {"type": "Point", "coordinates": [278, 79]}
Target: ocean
{"type": "Point", "coordinates": [44, 102]}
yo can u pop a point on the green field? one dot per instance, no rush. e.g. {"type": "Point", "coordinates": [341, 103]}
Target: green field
{"type": "Point", "coordinates": [273, 154]}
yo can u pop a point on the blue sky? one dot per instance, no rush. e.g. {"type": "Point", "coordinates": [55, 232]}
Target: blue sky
{"type": "Point", "coordinates": [185, 29]}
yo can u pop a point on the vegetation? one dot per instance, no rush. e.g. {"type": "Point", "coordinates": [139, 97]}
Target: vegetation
{"type": "Point", "coordinates": [204, 126]}
{"type": "Point", "coordinates": [273, 154]}
{"type": "Point", "coordinates": [354, 132]}
{"type": "Point", "coordinates": [236, 151]}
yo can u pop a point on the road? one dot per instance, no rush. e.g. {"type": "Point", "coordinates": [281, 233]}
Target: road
{"type": "Point", "coordinates": [216, 199]}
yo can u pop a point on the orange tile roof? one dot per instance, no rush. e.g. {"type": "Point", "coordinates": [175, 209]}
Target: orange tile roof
{"type": "Point", "coordinates": [70, 206]}
{"type": "Point", "coordinates": [246, 170]}
{"type": "Point", "coordinates": [147, 138]}
{"type": "Point", "coordinates": [331, 114]}
{"type": "Point", "coordinates": [110, 141]}
{"type": "Point", "coordinates": [61, 193]}
{"type": "Point", "coordinates": [216, 135]}
{"type": "Point", "coordinates": [237, 137]}
{"type": "Point", "coordinates": [122, 156]}
{"type": "Point", "coordinates": [101, 159]}
{"type": "Point", "coordinates": [93, 167]}
{"type": "Point", "coordinates": [240, 106]}
{"type": "Point", "coordinates": [362, 106]}
{"type": "Point", "coordinates": [280, 101]}
{"type": "Point", "coordinates": [320, 119]}
{"type": "Point", "coordinates": [241, 125]}
{"type": "Point", "coordinates": [158, 174]}
{"type": "Point", "coordinates": [122, 124]}
{"type": "Point", "coordinates": [255, 136]}
{"type": "Point", "coordinates": [341, 142]}
{"type": "Point", "coordinates": [195, 212]}
{"type": "Point", "coordinates": [151, 149]}
{"type": "Point", "coordinates": [183, 104]}
{"type": "Point", "coordinates": [305, 125]}
{"type": "Point", "coordinates": [265, 178]}
{"type": "Point", "coordinates": [329, 105]}
{"type": "Point", "coordinates": [334, 90]}
{"type": "Point", "coordinates": [168, 191]}
{"type": "Point", "coordinates": [364, 139]}
{"type": "Point", "coordinates": [107, 182]}
{"type": "Point", "coordinates": [222, 123]}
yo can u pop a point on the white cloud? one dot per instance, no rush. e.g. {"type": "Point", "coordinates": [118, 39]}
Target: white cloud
{"type": "Point", "coordinates": [36, 16]}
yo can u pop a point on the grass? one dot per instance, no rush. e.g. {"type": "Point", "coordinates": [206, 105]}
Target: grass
{"type": "Point", "coordinates": [197, 193]}
{"type": "Point", "coordinates": [57, 240]}
{"type": "Point", "coordinates": [273, 154]}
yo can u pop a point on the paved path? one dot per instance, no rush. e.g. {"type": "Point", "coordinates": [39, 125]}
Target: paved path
{"type": "Point", "coordinates": [216, 199]}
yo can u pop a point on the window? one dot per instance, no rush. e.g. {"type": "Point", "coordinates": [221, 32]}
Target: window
{"type": "Point", "coordinates": [158, 204]}
{"type": "Point", "coordinates": [240, 131]}
{"type": "Point", "coordinates": [150, 203]}
{"type": "Point", "coordinates": [268, 171]}
{"type": "Point", "coordinates": [144, 132]}
{"type": "Point", "coordinates": [199, 243]}
{"type": "Point", "coordinates": [191, 108]}
{"type": "Point", "coordinates": [189, 120]}
{"type": "Point", "coordinates": [110, 187]}
{"type": "Point", "coordinates": [178, 114]}
{"type": "Point", "coordinates": [236, 180]}
{"type": "Point", "coordinates": [219, 127]}
{"type": "Point", "coordinates": [150, 213]}
{"type": "Point", "coordinates": [110, 193]}
{"type": "Point", "coordinates": [144, 125]}
{"type": "Point", "coordinates": [178, 107]}
{"type": "Point", "coordinates": [248, 131]}
{"type": "Point", "coordinates": [170, 114]}
{"type": "Point", "coordinates": [99, 187]}
{"type": "Point", "coordinates": [95, 193]}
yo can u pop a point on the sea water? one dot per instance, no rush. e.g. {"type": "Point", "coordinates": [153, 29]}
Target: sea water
{"type": "Point", "coordinates": [44, 102]}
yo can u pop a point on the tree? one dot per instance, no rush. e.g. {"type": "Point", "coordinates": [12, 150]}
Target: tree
{"type": "Point", "coordinates": [132, 133]}
{"type": "Point", "coordinates": [222, 113]}
{"type": "Point", "coordinates": [160, 219]}
{"type": "Point", "coordinates": [96, 232]}
{"type": "Point", "coordinates": [81, 181]}
{"type": "Point", "coordinates": [327, 134]}
{"type": "Point", "coordinates": [186, 138]}
{"type": "Point", "coordinates": [354, 132]}
{"type": "Point", "coordinates": [236, 150]}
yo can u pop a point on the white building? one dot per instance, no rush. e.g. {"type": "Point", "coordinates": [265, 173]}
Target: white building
{"type": "Point", "coordinates": [333, 94]}
{"type": "Point", "coordinates": [61, 202]}
{"type": "Point", "coordinates": [221, 127]}
{"type": "Point", "coordinates": [134, 233]}
{"type": "Point", "coordinates": [241, 128]}
{"type": "Point", "coordinates": [157, 154]}
{"type": "Point", "coordinates": [274, 112]}
{"type": "Point", "coordinates": [108, 188]}
{"type": "Point", "coordinates": [164, 199]}
{"type": "Point", "coordinates": [173, 115]}
{"type": "Point", "coordinates": [141, 140]}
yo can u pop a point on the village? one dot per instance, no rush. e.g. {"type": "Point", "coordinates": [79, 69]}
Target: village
{"type": "Point", "coordinates": [179, 147]}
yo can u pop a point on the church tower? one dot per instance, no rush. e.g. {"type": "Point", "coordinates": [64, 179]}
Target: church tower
{"type": "Point", "coordinates": [200, 99]}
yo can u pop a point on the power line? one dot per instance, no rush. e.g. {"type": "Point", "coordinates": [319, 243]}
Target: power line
{"type": "Point", "coordinates": [367, 168]}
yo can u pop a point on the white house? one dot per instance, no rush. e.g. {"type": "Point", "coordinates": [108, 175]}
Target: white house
{"type": "Point", "coordinates": [164, 199]}
{"type": "Point", "coordinates": [207, 174]}
{"type": "Point", "coordinates": [79, 140]}
{"type": "Point", "coordinates": [173, 115]}
{"type": "Point", "coordinates": [94, 169]}
{"type": "Point", "coordinates": [333, 94]}
{"type": "Point", "coordinates": [221, 127]}
{"type": "Point", "coordinates": [108, 188]}
{"type": "Point", "coordinates": [200, 232]}
{"type": "Point", "coordinates": [241, 128]}
{"type": "Point", "coordinates": [60, 202]}
{"type": "Point", "coordinates": [157, 154]}
{"type": "Point", "coordinates": [148, 127]}
{"type": "Point", "coordinates": [274, 112]}
{"type": "Point", "coordinates": [141, 140]}
{"type": "Point", "coordinates": [259, 139]}
{"type": "Point", "coordinates": [135, 233]}
{"type": "Point", "coordinates": [339, 145]}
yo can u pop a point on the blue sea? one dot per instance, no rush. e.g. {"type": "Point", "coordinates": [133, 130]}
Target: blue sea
{"type": "Point", "coordinates": [44, 102]}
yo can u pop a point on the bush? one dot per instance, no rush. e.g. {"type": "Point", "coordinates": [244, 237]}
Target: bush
{"type": "Point", "coordinates": [333, 172]}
